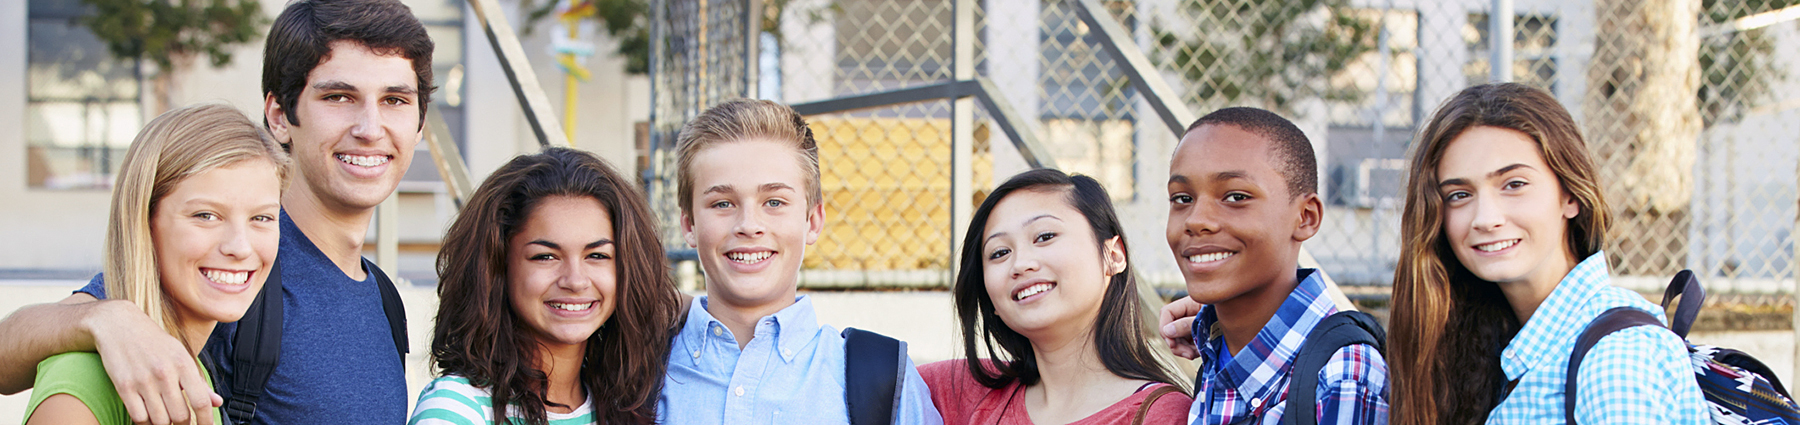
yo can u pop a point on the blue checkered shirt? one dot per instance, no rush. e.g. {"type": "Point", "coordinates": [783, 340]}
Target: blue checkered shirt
{"type": "Point", "coordinates": [1640, 375]}
{"type": "Point", "coordinates": [1253, 386]}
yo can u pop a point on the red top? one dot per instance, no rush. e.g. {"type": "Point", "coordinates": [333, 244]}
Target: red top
{"type": "Point", "coordinates": [963, 401]}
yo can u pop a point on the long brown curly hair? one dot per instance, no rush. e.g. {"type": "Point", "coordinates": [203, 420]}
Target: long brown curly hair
{"type": "Point", "coordinates": [479, 336]}
{"type": "Point", "coordinates": [1448, 325]}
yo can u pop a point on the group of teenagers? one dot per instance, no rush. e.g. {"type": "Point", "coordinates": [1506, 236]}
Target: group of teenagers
{"type": "Point", "coordinates": [557, 304]}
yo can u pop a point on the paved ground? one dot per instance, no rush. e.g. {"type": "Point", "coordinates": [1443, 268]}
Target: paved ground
{"type": "Point", "coordinates": [924, 319]}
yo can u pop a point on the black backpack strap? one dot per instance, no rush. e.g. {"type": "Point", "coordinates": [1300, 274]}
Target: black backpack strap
{"type": "Point", "coordinates": [871, 376]}
{"type": "Point", "coordinates": [1692, 297]}
{"type": "Point", "coordinates": [1614, 320]}
{"type": "Point", "coordinates": [1339, 330]}
{"type": "Point", "coordinates": [391, 305]}
{"type": "Point", "coordinates": [255, 350]}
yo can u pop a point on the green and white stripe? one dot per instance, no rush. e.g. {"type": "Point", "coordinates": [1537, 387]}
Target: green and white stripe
{"type": "Point", "coordinates": [451, 400]}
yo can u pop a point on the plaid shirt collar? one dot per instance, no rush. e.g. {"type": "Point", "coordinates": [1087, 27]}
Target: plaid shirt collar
{"type": "Point", "coordinates": [1256, 378]}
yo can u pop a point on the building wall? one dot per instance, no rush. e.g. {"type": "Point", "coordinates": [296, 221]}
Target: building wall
{"type": "Point", "coordinates": [64, 229]}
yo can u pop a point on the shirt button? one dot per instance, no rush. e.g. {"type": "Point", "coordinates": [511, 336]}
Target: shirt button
{"type": "Point", "coordinates": [717, 332]}
{"type": "Point", "coordinates": [696, 354]}
{"type": "Point", "coordinates": [787, 353]}
{"type": "Point", "coordinates": [739, 391]}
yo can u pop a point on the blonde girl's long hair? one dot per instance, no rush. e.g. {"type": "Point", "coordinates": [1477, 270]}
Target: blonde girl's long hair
{"type": "Point", "coordinates": [176, 145]}
{"type": "Point", "coordinates": [1448, 326]}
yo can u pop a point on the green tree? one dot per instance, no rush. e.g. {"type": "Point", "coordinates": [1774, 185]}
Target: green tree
{"type": "Point", "coordinates": [1266, 53]}
{"type": "Point", "coordinates": [173, 34]}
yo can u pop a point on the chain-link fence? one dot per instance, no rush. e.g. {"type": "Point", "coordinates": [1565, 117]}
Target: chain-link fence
{"type": "Point", "coordinates": [1688, 105]}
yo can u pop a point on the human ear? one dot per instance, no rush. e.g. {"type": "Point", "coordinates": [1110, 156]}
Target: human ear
{"type": "Point", "coordinates": [1312, 212]}
{"type": "Point", "coordinates": [1570, 208]}
{"type": "Point", "coordinates": [687, 231]}
{"type": "Point", "coordinates": [275, 117]}
{"type": "Point", "coordinates": [815, 222]}
{"type": "Point", "coordinates": [1112, 253]}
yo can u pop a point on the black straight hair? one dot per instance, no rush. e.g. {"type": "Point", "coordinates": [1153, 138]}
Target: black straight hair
{"type": "Point", "coordinates": [1119, 329]}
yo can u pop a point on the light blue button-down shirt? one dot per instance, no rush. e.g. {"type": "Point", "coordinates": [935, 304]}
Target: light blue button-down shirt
{"type": "Point", "coordinates": [791, 372]}
{"type": "Point", "coordinates": [1640, 375]}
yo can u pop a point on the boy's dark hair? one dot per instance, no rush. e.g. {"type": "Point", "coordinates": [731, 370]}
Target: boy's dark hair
{"type": "Point", "coordinates": [1293, 152]}
{"type": "Point", "coordinates": [301, 38]}
{"type": "Point", "coordinates": [1119, 331]}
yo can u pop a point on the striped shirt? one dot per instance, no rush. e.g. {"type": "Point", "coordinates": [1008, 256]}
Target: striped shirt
{"type": "Point", "coordinates": [1640, 375]}
{"type": "Point", "coordinates": [1252, 387]}
{"type": "Point", "coordinates": [451, 400]}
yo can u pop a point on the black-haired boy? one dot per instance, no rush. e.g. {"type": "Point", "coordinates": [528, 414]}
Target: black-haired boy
{"type": "Point", "coordinates": [1242, 199]}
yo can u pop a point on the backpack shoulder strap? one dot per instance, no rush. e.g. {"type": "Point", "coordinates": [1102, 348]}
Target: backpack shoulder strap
{"type": "Point", "coordinates": [1613, 320]}
{"type": "Point", "coordinates": [391, 306]}
{"type": "Point", "coordinates": [871, 376]}
{"type": "Point", "coordinates": [1144, 409]}
{"type": "Point", "coordinates": [255, 350]}
{"type": "Point", "coordinates": [1339, 330]}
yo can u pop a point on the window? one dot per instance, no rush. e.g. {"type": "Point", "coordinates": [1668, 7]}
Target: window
{"type": "Point", "coordinates": [82, 106]}
{"type": "Point", "coordinates": [1534, 49]}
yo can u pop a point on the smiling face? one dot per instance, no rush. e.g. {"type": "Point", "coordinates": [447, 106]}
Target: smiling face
{"type": "Point", "coordinates": [562, 270]}
{"type": "Point", "coordinates": [358, 121]}
{"type": "Point", "coordinates": [750, 221]}
{"type": "Point", "coordinates": [1041, 266]}
{"type": "Point", "coordinates": [1506, 215]}
{"type": "Point", "coordinates": [1234, 228]}
{"type": "Point", "coordinates": [216, 235]}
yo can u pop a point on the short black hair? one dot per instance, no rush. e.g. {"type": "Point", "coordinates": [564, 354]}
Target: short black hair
{"type": "Point", "coordinates": [1294, 157]}
{"type": "Point", "coordinates": [301, 37]}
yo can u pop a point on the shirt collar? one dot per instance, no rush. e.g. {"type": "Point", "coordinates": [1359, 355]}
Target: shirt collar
{"type": "Point", "coordinates": [1274, 346]}
{"type": "Point", "coordinates": [1556, 323]}
{"type": "Point", "coordinates": [794, 327]}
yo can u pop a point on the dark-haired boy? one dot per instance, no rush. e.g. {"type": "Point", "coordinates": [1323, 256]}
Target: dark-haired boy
{"type": "Point", "coordinates": [1242, 199]}
{"type": "Point", "coordinates": [345, 86]}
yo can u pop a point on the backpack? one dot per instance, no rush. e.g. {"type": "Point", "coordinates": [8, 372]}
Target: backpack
{"type": "Point", "coordinates": [872, 373]}
{"type": "Point", "coordinates": [1333, 333]}
{"type": "Point", "coordinates": [1739, 389]}
{"type": "Point", "coordinates": [256, 347]}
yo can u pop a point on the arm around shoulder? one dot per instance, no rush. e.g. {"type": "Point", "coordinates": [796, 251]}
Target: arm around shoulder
{"type": "Point", "coordinates": [36, 332]}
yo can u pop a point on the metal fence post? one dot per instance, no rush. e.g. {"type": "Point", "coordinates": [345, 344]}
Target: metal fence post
{"type": "Point", "coordinates": [1500, 41]}
{"type": "Point", "coordinates": [962, 130]}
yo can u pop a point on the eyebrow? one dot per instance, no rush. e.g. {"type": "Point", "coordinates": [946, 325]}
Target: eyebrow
{"type": "Point", "coordinates": [771, 187]}
{"type": "Point", "coordinates": [335, 85]}
{"type": "Point", "coordinates": [723, 188]}
{"type": "Point", "coordinates": [1027, 221]}
{"type": "Point", "coordinates": [216, 204]}
{"type": "Point", "coordinates": [553, 245]}
{"type": "Point", "coordinates": [1496, 173]}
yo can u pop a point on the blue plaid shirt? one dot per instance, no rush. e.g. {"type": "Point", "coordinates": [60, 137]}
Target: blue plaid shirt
{"type": "Point", "coordinates": [1253, 386]}
{"type": "Point", "coordinates": [1640, 375]}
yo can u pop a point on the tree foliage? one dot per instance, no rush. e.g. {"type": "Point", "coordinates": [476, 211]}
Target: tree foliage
{"type": "Point", "coordinates": [1737, 69]}
{"type": "Point", "coordinates": [1269, 54]}
{"type": "Point", "coordinates": [170, 31]}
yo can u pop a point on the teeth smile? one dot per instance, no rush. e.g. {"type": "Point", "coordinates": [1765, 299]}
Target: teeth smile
{"type": "Point", "coordinates": [571, 307]}
{"type": "Point", "coordinates": [1205, 258]}
{"type": "Point", "coordinates": [748, 257]}
{"type": "Point", "coordinates": [227, 278]}
{"type": "Point", "coordinates": [1496, 246]}
{"type": "Point", "coordinates": [362, 160]}
{"type": "Point", "coordinates": [1033, 290]}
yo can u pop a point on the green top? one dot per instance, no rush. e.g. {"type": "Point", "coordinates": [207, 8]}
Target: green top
{"type": "Point", "coordinates": [81, 374]}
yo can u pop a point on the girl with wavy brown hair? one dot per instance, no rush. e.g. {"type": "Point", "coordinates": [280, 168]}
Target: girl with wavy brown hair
{"type": "Point", "coordinates": [1501, 268]}
{"type": "Point", "coordinates": [555, 303]}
